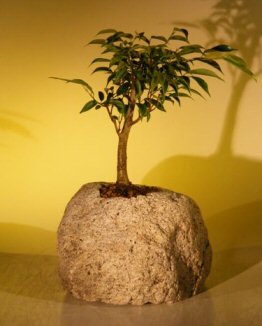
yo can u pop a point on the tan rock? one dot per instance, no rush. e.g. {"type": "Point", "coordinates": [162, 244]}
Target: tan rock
{"type": "Point", "coordinates": [144, 249]}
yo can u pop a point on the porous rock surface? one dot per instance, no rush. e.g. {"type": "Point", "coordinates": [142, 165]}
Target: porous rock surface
{"type": "Point", "coordinates": [144, 249]}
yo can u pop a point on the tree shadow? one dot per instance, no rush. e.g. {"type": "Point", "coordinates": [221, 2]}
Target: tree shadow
{"type": "Point", "coordinates": [10, 122]}
{"type": "Point", "coordinates": [227, 187]}
{"type": "Point", "coordinates": [26, 239]}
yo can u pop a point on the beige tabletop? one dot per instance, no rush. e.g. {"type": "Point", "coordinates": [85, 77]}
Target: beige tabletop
{"type": "Point", "coordinates": [31, 294]}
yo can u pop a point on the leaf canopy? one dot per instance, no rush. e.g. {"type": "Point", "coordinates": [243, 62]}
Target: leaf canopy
{"type": "Point", "coordinates": [145, 72]}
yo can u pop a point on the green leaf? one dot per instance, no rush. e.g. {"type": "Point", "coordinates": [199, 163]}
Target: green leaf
{"type": "Point", "coordinates": [210, 62]}
{"type": "Point", "coordinates": [187, 49]}
{"type": "Point", "coordinates": [119, 104]}
{"type": "Point", "coordinates": [185, 81]}
{"type": "Point", "coordinates": [142, 109]}
{"type": "Point", "coordinates": [102, 69]}
{"type": "Point", "coordinates": [178, 37]}
{"type": "Point", "coordinates": [168, 98]}
{"type": "Point", "coordinates": [98, 107]}
{"type": "Point", "coordinates": [184, 95]}
{"type": "Point", "coordinates": [157, 104]}
{"type": "Point", "coordinates": [99, 60]}
{"type": "Point", "coordinates": [109, 96]}
{"type": "Point", "coordinates": [120, 74]}
{"type": "Point", "coordinates": [148, 116]}
{"type": "Point", "coordinates": [205, 72]}
{"type": "Point", "coordinates": [141, 36]}
{"type": "Point", "coordinates": [111, 48]}
{"type": "Point", "coordinates": [183, 30]}
{"type": "Point", "coordinates": [110, 78]}
{"type": "Point", "coordinates": [97, 41]}
{"type": "Point", "coordinates": [221, 48]}
{"type": "Point", "coordinates": [202, 83]}
{"type": "Point", "coordinates": [115, 37]}
{"type": "Point", "coordinates": [161, 38]}
{"type": "Point", "coordinates": [122, 89]}
{"type": "Point", "coordinates": [197, 92]}
{"type": "Point", "coordinates": [138, 88]}
{"type": "Point", "coordinates": [239, 63]}
{"type": "Point", "coordinates": [101, 96]}
{"type": "Point", "coordinates": [176, 97]}
{"type": "Point", "coordinates": [76, 81]}
{"type": "Point", "coordinates": [105, 31]}
{"type": "Point", "coordinates": [88, 106]}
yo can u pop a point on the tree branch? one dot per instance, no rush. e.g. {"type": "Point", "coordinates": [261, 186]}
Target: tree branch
{"type": "Point", "coordinates": [117, 128]}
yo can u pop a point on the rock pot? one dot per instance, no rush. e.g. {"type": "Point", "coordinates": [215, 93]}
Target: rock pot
{"type": "Point", "coordinates": [151, 248]}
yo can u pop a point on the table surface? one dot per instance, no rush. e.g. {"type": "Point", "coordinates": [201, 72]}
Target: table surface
{"type": "Point", "coordinates": [31, 294]}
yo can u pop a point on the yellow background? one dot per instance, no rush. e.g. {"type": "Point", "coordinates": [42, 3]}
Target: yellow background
{"type": "Point", "coordinates": [210, 150]}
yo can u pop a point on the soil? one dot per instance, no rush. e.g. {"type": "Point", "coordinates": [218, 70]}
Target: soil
{"type": "Point", "coordinates": [128, 191]}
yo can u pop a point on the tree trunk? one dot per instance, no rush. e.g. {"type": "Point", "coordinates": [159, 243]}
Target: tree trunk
{"type": "Point", "coordinates": [122, 176]}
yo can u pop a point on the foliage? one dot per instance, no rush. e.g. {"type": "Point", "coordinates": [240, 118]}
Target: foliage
{"type": "Point", "coordinates": [145, 72]}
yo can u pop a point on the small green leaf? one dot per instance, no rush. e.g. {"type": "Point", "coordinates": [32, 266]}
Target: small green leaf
{"type": "Point", "coordinates": [183, 30]}
{"type": "Point", "coordinates": [205, 72]}
{"type": "Point", "coordinates": [99, 60]}
{"type": "Point", "coordinates": [115, 37]}
{"type": "Point", "coordinates": [102, 69]}
{"type": "Point", "coordinates": [184, 95]}
{"type": "Point", "coordinates": [148, 116]}
{"type": "Point", "coordinates": [210, 62]}
{"type": "Point", "coordinates": [176, 98]}
{"type": "Point", "coordinates": [142, 109]}
{"type": "Point", "coordinates": [101, 96]}
{"type": "Point", "coordinates": [202, 83]}
{"type": "Point", "coordinates": [97, 41]}
{"type": "Point", "coordinates": [142, 37]}
{"type": "Point", "coordinates": [138, 88]}
{"type": "Point", "coordinates": [239, 63]}
{"type": "Point", "coordinates": [76, 81]}
{"type": "Point", "coordinates": [105, 31]}
{"type": "Point", "coordinates": [110, 48]}
{"type": "Point", "coordinates": [119, 104]}
{"type": "Point", "coordinates": [88, 106]}
{"type": "Point", "coordinates": [98, 107]}
{"type": "Point", "coordinates": [110, 78]}
{"type": "Point", "coordinates": [185, 81]}
{"type": "Point", "coordinates": [122, 89]}
{"type": "Point", "coordinates": [221, 48]}
{"type": "Point", "coordinates": [161, 38]}
{"type": "Point", "coordinates": [157, 104]}
{"type": "Point", "coordinates": [193, 48]}
{"type": "Point", "coordinates": [120, 74]}
{"type": "Point", "coordinates": [178, 38]}
{"type": "Point", "coordinates": [197, 92]}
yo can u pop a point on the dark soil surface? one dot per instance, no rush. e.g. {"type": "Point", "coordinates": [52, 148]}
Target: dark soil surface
{"type": "Point", "coordinates": [128, 191]}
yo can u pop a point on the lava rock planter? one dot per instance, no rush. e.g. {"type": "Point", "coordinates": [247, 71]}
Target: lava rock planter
{"type": "Point", "coordinates": [150, 248]}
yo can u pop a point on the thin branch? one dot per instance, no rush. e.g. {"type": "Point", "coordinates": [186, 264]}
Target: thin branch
{"type": "Point", "coordinates": [136, 120]}
{"type": "Point", "coordinates": [117, 128]}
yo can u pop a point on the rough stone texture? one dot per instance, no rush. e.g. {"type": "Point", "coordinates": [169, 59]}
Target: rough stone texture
{"type": "Point", "coordinates": [144, 249]}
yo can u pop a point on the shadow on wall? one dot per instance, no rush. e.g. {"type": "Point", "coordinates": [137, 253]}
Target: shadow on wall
{"type": "Point", "coordinates": [10, 122]}
{"type": "Point", "coordinates": [228, 188]}
{"type": "Point", "coordinates": [26, 239]}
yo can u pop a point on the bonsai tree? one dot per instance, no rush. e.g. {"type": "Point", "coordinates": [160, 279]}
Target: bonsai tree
{"type": "Point", "coordinates": [143, 73]}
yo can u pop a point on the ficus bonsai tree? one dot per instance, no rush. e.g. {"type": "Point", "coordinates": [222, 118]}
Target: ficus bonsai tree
{"type": "Point", "coordinates": [143, 73]}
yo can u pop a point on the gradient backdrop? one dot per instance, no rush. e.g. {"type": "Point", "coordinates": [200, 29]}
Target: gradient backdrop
{"type": "Point", "coordinates": [210, 150]}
